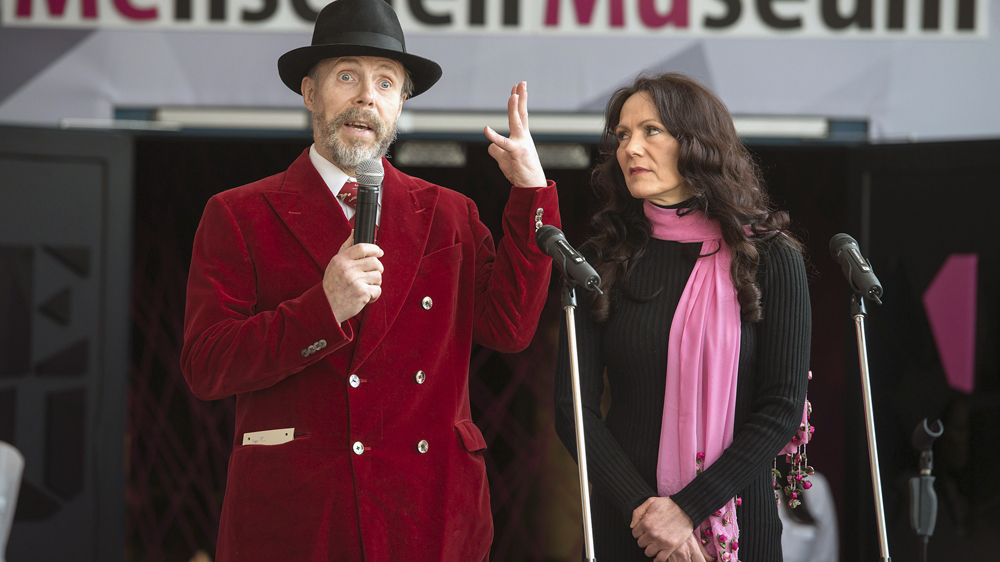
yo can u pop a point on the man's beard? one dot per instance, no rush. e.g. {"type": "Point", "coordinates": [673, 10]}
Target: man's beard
{"type": "Point", "coordinates": [348, 156]}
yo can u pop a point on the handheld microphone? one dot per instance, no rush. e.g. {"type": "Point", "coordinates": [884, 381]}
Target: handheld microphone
{"type": "Point", "coordinates": [856, 268]}
{"type": "Point", "coordinates": [369, 173]}
{"type": "Point", "coordinates": [923, 498]}
{"type": "Point", "coordinates": [573, 266]}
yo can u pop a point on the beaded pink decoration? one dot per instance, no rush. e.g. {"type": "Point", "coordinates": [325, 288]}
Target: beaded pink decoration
{"type": "Point", "coordinates": [797, 480]}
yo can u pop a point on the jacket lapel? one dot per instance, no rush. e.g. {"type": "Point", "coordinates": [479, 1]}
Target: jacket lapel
{"type": "Point", "coordinates": [310, 211]}
{"type": "Point", "coordinates": [407, 212]}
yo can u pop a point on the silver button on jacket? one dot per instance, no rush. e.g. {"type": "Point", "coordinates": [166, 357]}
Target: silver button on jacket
{"type": "Point", "coordinates": [355, 381]}
{"type": "Point", "coordinates": [422, 446]}
{"type": "Point", "coordinates": [427, 303]}
{"type": "Point", "coordinates": [358, 447]}
{"type": "Point", "coordinates": [420, 377]}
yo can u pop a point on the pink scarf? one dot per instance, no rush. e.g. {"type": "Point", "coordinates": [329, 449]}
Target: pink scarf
{"type": "Point", "coordinates": [703, 351]}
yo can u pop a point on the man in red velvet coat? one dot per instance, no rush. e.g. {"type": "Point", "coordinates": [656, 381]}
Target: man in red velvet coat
{"type": "Point", "coordinates": [350, 362]}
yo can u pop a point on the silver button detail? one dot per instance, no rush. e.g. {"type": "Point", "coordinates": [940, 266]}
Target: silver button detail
{"type": "Point", "coordinates": [422, 446]}
{"type": "Point", "coordinates": [358, 448]}
{"type": "Point", "coordinates": [427, 303]}
{"type": "Point", "coordinates": [313, 348]}
{"type": "Point", "coordinates": [355, 381]}
{"type": "Point", "coordinates": [420, 377]}
{"type": "Point", "coordinates": [538, 218]}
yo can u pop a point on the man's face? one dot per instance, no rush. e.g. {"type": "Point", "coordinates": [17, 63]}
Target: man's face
{"type": "Point", "coordinates": [355, 103]}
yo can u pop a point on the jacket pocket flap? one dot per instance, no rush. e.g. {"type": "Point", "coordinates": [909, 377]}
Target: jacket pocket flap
{"type": "Point", "coordinates": [440, 258]}
{"type": "Point", "coordinates": [472, 438]}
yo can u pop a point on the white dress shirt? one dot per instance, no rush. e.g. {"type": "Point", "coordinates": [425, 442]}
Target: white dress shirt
{"type": "Point", "coordinates": [335, 178]}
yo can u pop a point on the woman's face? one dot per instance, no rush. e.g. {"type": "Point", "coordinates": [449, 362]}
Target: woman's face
{"type": "Point", "coordinates": [647, 153]}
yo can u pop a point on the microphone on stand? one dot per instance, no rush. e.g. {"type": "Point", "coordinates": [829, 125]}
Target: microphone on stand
{"type": "Point", "coordinates": [576, 271]}
{"type": "Point", "coordinates": [369, 174]}
{"type": "Point", "coordinates": [856, 268]}
{"type": "Point", "coordinates": [573, 266]}
{"type": "Point", "coordinates": [862, 279]}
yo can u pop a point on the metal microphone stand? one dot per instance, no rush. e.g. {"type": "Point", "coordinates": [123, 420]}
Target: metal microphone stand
{"type": "Point", "coordinates": [569, 305]}
{"type": "Point", "coordinates": [859, 313]}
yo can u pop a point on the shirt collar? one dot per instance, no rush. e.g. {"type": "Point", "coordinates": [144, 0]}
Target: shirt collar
{"type": "Point", "coordinates": [334, 177]}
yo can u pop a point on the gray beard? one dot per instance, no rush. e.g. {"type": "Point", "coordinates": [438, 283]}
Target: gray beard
{"type": "Point", "coordinates": [348, 156]}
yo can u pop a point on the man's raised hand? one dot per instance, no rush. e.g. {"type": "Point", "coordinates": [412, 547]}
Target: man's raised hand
{"type": "Point", "coordinates": [516, 155]}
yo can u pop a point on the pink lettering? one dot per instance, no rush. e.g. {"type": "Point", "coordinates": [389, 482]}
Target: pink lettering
{"type": "Point", "coordinates": [88, 8]}
{"type": "Point", "coordinates": [131, 12]}
{"type": "Point", "coordinates": [585, 11]}
{"type": "Point", "coordinates": [678, 14]}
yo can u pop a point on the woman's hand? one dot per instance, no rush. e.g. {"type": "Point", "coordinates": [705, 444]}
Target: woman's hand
{"type": "Point", "coordinates": [691, 551]}
{"type": "Point", "coordinates": [661, 527]}
{"type": "Point", "coordinates": [516, 155]}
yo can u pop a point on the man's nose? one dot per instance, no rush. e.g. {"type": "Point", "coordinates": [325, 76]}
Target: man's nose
{"type": "Point", "coordinates": [366, 95]}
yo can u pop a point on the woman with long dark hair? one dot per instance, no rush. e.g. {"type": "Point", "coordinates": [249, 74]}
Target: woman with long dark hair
{"type": "Point", "coordinates": [703, 332]}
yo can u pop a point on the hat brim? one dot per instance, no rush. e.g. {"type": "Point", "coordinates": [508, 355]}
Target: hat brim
{"type": "Point", "coordinates": [295, 65]}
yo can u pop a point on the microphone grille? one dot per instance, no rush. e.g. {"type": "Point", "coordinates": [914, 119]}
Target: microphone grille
{"type": "Point", "coordinates": [370, 172]}
{"type": "Point", "coordinates": [544, 233]}
{"type": "Point", "coordinates": [839, 241]}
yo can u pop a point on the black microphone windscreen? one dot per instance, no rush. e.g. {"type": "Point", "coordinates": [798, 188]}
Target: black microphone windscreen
{"type": "Point", "coordinates": [544, 233]}
{"type": "Point", "coordinates": [839, 241]}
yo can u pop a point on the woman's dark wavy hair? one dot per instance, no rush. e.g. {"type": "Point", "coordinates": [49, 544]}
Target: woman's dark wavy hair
{"type": "Point", "coordinates": [720, 175]}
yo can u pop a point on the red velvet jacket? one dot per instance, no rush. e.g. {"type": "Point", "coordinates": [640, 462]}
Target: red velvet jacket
{"type": "Point", "coordinates": [385, 464]}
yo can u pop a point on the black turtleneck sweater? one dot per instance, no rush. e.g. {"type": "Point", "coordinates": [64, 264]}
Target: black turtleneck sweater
{"type": "Point", "coordinates": [622, 448]}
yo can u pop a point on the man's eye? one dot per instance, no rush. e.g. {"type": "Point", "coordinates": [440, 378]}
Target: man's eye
{"type": "Point", "coordinates": [385, 84]}
{"type": "Point", "coordinates": [345, 76]}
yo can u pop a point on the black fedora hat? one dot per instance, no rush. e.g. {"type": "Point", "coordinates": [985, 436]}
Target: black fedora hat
{"type": "Point", "coordinates": [346, 28]}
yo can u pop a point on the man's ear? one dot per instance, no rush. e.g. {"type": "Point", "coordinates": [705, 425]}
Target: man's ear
{"type": "Point", "coordinates": [308, 92]}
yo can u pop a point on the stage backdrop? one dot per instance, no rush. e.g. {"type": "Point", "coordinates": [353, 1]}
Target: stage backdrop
{"type": "Point", "coordinates": [916, 69]}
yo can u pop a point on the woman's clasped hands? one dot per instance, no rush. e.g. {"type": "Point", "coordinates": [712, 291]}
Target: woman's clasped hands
{"type": "Point", "coordinates": [667, 533]}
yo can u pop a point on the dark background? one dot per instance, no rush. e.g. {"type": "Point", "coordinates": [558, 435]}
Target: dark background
{"type": "Point", "coordinates": [910, 206]}
{"type": "Point", "coordinates": [923, 202]}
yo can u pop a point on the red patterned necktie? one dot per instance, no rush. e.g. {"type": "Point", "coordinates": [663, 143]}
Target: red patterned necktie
{"type": "Point", "coordinates": [349, 195]}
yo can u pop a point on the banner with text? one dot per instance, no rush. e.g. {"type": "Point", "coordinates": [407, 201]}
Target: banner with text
{"type": "Point", "coordinates": [813, 19]}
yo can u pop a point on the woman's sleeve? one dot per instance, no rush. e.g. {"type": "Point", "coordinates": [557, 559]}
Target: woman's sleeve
{"type": "Point", "coordinates": [783, 339]}
{"type": "Point", "coordinates": [608, 468]}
